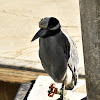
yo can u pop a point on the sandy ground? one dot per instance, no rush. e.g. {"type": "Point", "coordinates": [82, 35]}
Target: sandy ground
{"type": "Point", "coordinates": [19, 22]}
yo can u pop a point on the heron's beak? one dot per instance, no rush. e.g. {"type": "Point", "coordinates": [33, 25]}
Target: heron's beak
{"type": "Point", "coordinates": [40, 33]}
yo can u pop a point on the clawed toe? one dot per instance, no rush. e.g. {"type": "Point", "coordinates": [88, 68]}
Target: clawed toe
{"type": "Point", "coordinates": [52, 90]}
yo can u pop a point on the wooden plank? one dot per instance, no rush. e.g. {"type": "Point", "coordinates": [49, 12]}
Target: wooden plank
{"type": "Point", "coordinates": [16, 75]}
{"type": "Point", "coordinates": [17, 70]}
{"type": "Point", "coordinates": [20, 63]}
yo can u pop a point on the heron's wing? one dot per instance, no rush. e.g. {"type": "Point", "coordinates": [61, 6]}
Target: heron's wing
{"type": "Point", "coordinates": [73, 59]}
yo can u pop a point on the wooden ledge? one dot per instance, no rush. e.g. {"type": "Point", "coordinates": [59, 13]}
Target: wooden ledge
{"type": "Point", "coordinates": [17, 75]}
{"type": "Point", "coordinates": [16, 70]}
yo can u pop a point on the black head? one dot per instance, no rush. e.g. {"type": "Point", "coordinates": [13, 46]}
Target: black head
{"type": "Point", "coordinates": [49, 26]}
{"type": "Point", "coordinates": [49, 23]}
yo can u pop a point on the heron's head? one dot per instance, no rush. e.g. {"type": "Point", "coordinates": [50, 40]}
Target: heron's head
{"type": "Point", "coordinates": [49, 26]}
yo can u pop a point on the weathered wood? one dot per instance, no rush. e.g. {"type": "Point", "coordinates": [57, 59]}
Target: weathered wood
{"type": "Point", "coordinates": [90, 22]}
{"type": "Point", "coordinates": [15, 70]}
{"type": "Point", "coordinates": [20, 64]}
{"type": "Point", "coordinates": [24, 91]}
{"type": "Point", "coordinates": [20, 76]}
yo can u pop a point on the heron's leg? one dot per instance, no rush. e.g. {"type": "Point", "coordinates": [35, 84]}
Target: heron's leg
{"type": "Point", "coordinates": [63, 93]}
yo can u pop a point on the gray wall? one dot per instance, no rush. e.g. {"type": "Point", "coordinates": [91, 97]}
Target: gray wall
{"type": "Point", "coordinates": [90, 24]}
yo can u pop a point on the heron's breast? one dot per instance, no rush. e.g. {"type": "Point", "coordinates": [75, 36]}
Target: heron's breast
{"type": "Point", "coordinates": [53, 59]}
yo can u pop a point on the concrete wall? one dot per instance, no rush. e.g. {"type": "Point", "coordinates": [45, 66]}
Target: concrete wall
{"type": "Point", "coordinates": [90, 22]}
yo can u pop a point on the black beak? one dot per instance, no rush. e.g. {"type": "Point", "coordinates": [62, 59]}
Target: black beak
{"type": "Point", "coordinates": [40, 33]}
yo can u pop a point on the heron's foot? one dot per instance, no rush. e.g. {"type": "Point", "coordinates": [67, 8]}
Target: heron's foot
{"type": "Point", "coordinates": [52, 90]}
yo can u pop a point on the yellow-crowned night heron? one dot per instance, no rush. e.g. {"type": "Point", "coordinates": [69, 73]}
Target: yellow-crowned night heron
{"type": "Point", "coordinates": [57, 52]}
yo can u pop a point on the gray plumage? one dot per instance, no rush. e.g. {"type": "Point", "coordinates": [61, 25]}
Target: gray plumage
{"type": "Point", "coordinates": [57, 52]}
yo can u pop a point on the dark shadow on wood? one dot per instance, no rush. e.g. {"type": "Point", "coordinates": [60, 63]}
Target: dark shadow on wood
{"type": "Point", "coordinates": [28, 69]}
{"type": "Point", "coordinates": [21, 68]}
